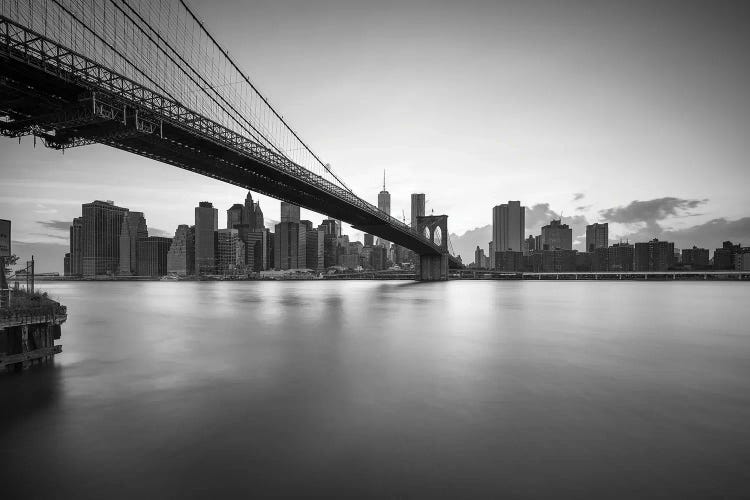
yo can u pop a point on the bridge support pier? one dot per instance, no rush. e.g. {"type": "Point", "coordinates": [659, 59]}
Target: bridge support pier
{"type": "Point", "coordinates": [432, 268]}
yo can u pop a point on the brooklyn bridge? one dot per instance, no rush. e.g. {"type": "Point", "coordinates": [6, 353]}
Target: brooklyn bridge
{"type": "Point", "coordinates": [148, 77]}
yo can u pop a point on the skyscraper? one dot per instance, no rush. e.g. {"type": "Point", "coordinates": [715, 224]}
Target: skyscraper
{"type": "Point", "coordinates": [102, 224]}
{"type": "Point", "coordinates": [508, 222]}
{"type": "Point", "coordinates": [271, 249]}
{"type": "Point", "coordinates": [304, 227]}
{"type": "Point", "coordinates": [286, 245]}
{"type": "Point", "coordinates": [597, 236]}
{"type": "Point", "coordinates": [66, 264]}
{"type": "Point", "coordinates": [152, 256]}
{"type": "Point", "coordinates": [256, 250]}
{"type": "Point", "coordinates": [331, 227]}
{"type": "Point", "coordinates": [529, 245]}
{"type": "Point", "coordinates": [417, 208]}
{"type": "Point", "coordinates": [289, 212]}
{"type": "Point", "coordinates": [206, 225]}
{"type": "Point", "coordinates": [181, 255]}
{"type": "Point", "coordinates": [384, 198]}
{"type": "Point", "coordinates": [248, 212]}
{"type": "Point", "coordinates": [330, 250]}
{"type": "Point", "coordinates": [557, 236]}
{"type": "Point", "coordinates": [230, 257]}
{"type": "Point", "coordinates": [237, 214]}
{"type": "Point", "coordinates": [314, 249]}
{"type": "Point", "coordinates": [479, 257]}
{"type": "Point", "coordinates": [76, 247]}
{"type": "Point", "coordinates": [133, 229]}
{"type": "Point", "coordinates": [384, 204]}
{"type": "Point", "coordinates": [258, 224]}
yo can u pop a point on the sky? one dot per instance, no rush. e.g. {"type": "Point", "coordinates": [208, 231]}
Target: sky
{"type": "Point", "coordinates": [633, 113]}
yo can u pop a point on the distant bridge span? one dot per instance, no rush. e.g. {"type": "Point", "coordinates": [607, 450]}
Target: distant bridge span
{"type": "Point", "coordinates": [68, 99]}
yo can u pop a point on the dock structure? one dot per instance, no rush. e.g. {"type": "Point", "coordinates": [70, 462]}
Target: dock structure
{"type": "Point", "coordinates": [488, 274]}
{"type": "Point", "coordinates": [29, 326]}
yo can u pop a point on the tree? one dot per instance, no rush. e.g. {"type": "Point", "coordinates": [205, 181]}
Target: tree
{"type": "Point", "coordinates": [10, 261]}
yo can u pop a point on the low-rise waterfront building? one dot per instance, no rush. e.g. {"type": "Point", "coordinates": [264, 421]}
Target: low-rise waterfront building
{"type": "Point", "coordinates": [724, 257]}
{"type": "Point", "coordinates": [509, 260]}
{"type": "Point", "coordinates": [654, 255]}
{"type": "Point", "coordinates": [695, 258]}
{"type": "Point", "coordinates": [742, 260]}
{"type": "Point", "coordinates": [599, 259]}
{"type": "Point", "coordinates": [620, 257]}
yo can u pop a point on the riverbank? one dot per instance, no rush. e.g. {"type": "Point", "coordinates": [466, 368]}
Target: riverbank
{"type": "Point", "coordinates": [453, 275]}
{"type": "Point", "coordinates": [605, 276]}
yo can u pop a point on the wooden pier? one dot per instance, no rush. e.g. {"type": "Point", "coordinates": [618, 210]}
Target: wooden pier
{"type": "Point", "coordinates": [28, 332]}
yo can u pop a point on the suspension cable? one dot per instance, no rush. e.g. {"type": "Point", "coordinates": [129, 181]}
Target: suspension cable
{"type": "Point", "coordinates": [247, 80]}
{"type": "Point", "coordinates": [270, 143]}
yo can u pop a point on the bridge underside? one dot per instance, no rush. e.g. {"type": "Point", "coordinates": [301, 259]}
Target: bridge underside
{"type": "Point", "coordinates": [66, 112]}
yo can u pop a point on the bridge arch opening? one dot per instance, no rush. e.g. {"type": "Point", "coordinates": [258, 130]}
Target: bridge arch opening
{"type": "Point", "coordinates": [437, 236]}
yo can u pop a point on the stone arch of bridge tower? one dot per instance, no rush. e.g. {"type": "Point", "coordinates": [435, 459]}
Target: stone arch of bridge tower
{"type": "Point", "coordinates": [428, 224]}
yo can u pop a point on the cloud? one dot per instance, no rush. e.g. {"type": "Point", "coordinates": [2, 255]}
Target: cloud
{"type": "Point", "coordinates": [270, 223]}
{"type": "Point", "coordinates": [583, 208]}
{"type": "Point", "coordinates": [43, 209]}
{"type": "Point", "coordinates": [649, 211]}
{"type": "Point", "coordinates": [155, 231]}
{"type": "Point", "coordinates": [537, 216]}
{"type": "Point", "coordinates": [56, 225]}
{"type": "Point", "coordinates": [465, 244]}
{"type": "Point", "coordinates": [708, 235]}
{"type": "Point", "coordinates": [578, 196]}
{"type": "Point", "coordinates": [55, 236]}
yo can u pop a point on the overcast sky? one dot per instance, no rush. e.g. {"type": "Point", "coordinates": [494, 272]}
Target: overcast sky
{"type": "Point", "coordinates": [632, 112]}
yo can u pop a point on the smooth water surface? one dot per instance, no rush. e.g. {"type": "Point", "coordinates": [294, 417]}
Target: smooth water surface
{"type": "Point", "coordinates": [387, 389]}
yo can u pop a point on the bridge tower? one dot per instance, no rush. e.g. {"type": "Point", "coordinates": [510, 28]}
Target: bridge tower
{"type": "Point", "coordinates": [433, 267]}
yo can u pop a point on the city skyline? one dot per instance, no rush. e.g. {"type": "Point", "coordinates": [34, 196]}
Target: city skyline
{"type": "Point", "coordinates": [621, 157]}
{"type": "Point", "coordinates": [538, 214]}
{"type": "Point", "coordinates": [245, 245]}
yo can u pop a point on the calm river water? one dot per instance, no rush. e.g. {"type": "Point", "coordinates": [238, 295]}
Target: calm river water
{"type": "Point", "coordinates": [387, 389]}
